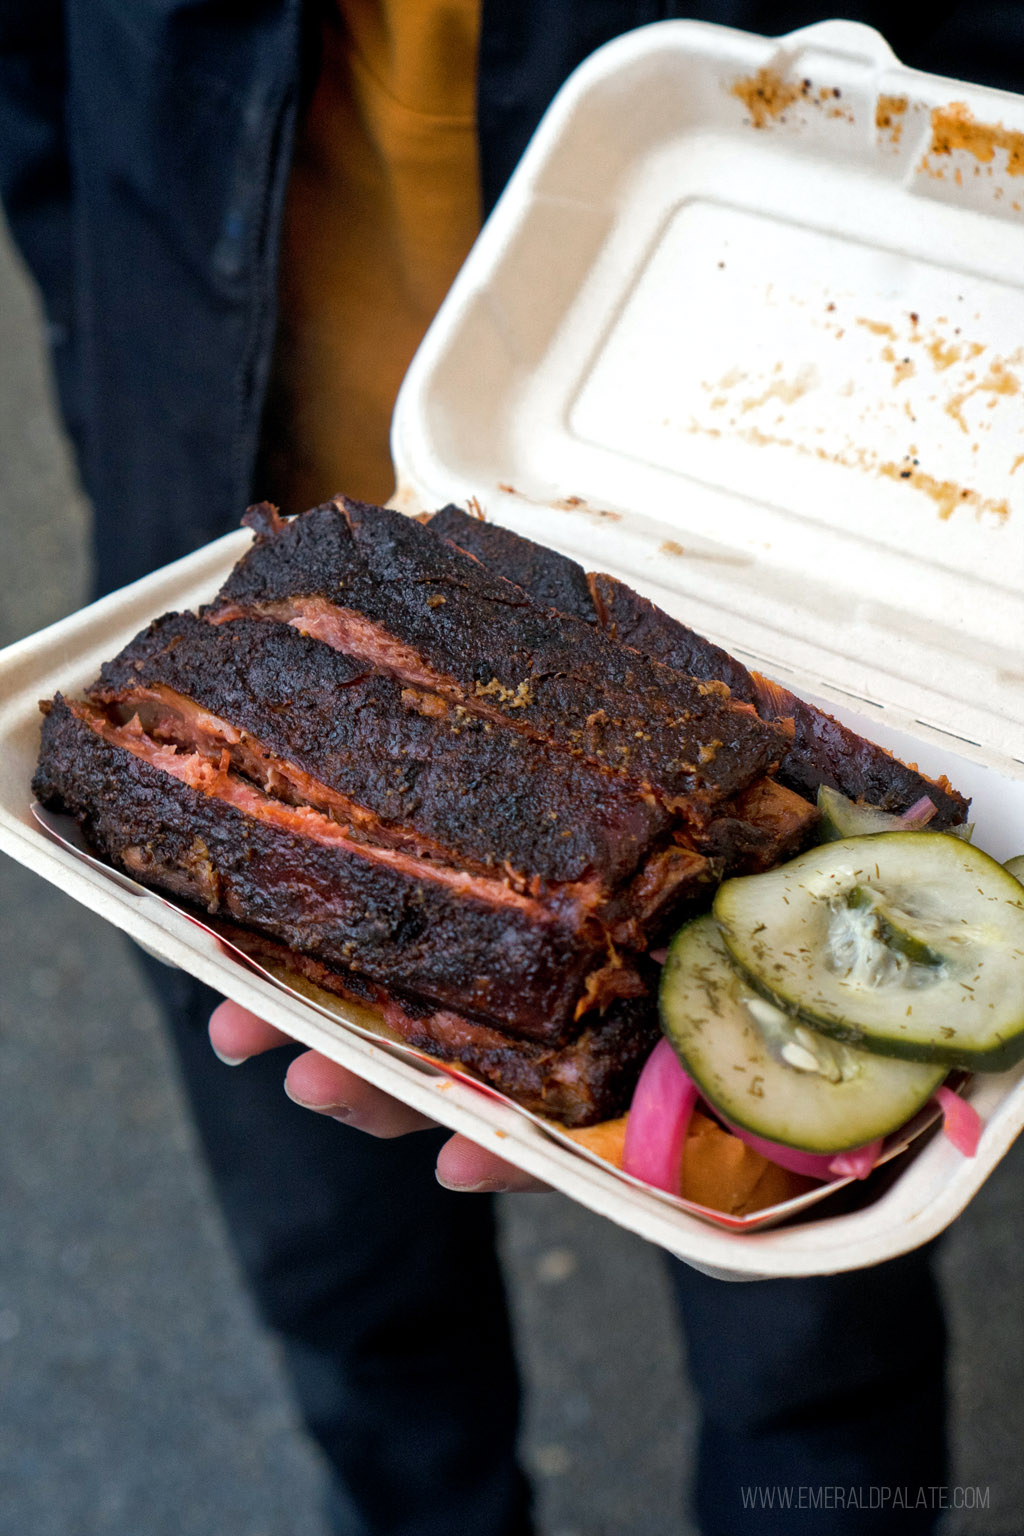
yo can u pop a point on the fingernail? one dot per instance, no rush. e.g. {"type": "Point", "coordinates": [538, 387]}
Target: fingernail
{"type": "Point", "coordinates": [332, 1111]}
{"type": "Point", "coordinates": [229, 1061]}
{"type": "Point", "coordinates": [482, 1187]}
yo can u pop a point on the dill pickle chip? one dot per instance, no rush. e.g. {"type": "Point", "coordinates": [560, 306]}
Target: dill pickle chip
{"type": "Point", "coordinates": [906, 943]}
{"type": "Point", "coordinates": [767, 1072]}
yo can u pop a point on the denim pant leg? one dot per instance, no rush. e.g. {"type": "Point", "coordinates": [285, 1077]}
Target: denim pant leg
{"type": "Point", "coordinates": [833, 1385]}
{"type": "Point", "coordinates": [383, 1288]}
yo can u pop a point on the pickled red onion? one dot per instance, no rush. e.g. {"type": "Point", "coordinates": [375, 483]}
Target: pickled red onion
{"type": "Point", "coordinates": [960, 1121]}
{"type": "Point", "coordinates": [659, 1115]}
{"type": "Point", "coordinates": [857, 1163]}
{"type": "Point", "coordinates": [920, 813]}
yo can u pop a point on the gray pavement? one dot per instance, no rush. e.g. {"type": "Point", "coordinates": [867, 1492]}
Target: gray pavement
{"type": "Point", "coordinates": [137, 1391]}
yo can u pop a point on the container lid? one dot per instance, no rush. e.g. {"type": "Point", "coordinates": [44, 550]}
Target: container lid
{"type": "Point", "coordinates": [747, 327]}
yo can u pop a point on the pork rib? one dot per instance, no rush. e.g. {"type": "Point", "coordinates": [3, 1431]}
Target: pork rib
{"type": "Point", "coordinates": [176, 821]}
{"type": "Point", "coordinates": [822, 751]}
{"type": "Point", "coordinates": [381, 587]}
{"type": "Point", "coordinates": [590, 1078]}
{"type": "Point", "coordinates": [550, 579]}
{"type": "Point", "coordinates": [399, 765]}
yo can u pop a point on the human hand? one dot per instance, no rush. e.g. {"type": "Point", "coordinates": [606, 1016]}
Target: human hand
{"type": "Point", "coordinates": [326, 1088]}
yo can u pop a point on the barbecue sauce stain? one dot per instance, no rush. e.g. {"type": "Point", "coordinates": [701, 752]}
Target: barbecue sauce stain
{"type": "Point", "coordinates": [766, 95]}
{"type": "Point", "coordinates": [956, 128]}
{"type": "Point", "coordinates": [889, 116]}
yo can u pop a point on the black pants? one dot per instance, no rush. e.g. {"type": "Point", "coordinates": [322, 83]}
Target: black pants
{"type": "Point", "coordinates": [386, 1293]}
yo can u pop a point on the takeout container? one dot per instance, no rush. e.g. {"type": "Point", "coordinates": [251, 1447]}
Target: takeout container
{"type": "Point", "coordinates": [737, 332]}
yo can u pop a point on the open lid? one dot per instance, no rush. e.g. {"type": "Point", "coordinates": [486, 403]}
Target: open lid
{"type": "Point", "coordinates": [747, 327]}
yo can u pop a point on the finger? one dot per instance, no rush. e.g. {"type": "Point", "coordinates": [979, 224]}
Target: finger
{"type": "Point", "coordinates": [462, 1165]}
{"type": "Point", "coordinates": [236, 1034]}
{"type": "Point", "coordinates": [329, 1089]}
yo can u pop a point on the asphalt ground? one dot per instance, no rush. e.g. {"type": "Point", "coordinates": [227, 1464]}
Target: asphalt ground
{"type": "Point", "coordinates": [138, 1393]}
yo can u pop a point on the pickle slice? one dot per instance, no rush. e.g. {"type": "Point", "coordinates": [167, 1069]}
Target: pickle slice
{"type": "Point", "coordinates": [842, 817]}
{"type": "Point", "coordinates": [890, 927]}
{"type": "Point", "coordinates": [907, 943]}
{"type": "Point", "coordinates": [768, 1073]}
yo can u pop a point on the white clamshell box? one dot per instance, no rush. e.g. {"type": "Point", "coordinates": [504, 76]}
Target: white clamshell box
{"type": "Point", "coordinates": [746, 330]}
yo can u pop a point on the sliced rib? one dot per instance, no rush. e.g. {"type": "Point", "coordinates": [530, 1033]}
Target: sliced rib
{"type": "Point", "coordinates": [591, 1078]}
{"type": "Point", "coordinates": [178, 821]}
{"type": "Point", "coordinates": [381, 587]}
{"type": "Point", "coordinates": [821, 752]}
{"type": "Point", "coordinates": [400, 766]}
